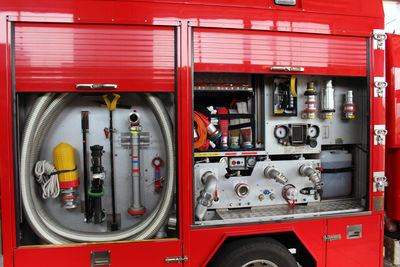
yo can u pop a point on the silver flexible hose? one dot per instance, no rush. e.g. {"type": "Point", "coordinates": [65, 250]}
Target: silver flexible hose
{"type": "Point", "coordinates": [38, 124]}
{"type": "Point", "coordinates": [39, 107]}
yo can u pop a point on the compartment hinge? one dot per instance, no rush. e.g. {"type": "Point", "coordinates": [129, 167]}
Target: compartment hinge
{"type": "Point", "coordinates": [332, 237]}
{"type": "Point", "coordinates": [176, 259]}
{"type": "Point", "coordinates": [380, 134]}
{"type": "Point", "coordinates": [380, 181]}
{"type": "Point", "coordinates": [380, 87]}
{"type": "Point", "coordinates": [379, 39]}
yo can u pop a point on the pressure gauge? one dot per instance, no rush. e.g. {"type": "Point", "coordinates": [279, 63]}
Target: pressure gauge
{"type": "Point", "coordinates": [224, 161]}
{"type": "Point", "coordinates": [313, 131]}
{"type": "Point", "coordinates": [251, 161]}
{"type": "Point", "coordinates": [281, 132]}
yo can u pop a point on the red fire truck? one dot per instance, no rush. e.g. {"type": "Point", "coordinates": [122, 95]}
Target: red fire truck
{"type": "Point", "coordinates": [192, 133]}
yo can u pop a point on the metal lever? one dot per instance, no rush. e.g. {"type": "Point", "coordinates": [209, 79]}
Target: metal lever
{"type": "Point", "coordinates": [380, 183]}
{"type": "Point", "coordinates": [380, 88]}
{"type": "Point", "coordinates": [96, 86]}
{"type": "Point", "coordinates": [288, 69]}
{"type": "Point", "coordinates": [380, 38]}
{"type": "Point", "coordinates": [380, 136]}
{"type": "Point", "coordinates": [176, 259]}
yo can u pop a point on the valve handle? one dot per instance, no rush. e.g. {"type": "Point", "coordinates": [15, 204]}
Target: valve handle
{"type": "Point", "coordinates": [111, 105]}
{"type": "Point", "coordinates": [157, 162]}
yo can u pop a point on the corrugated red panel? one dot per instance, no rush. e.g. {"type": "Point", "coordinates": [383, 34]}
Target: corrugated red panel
{"type": "Point", "coordinates": [257, 51]}
{"type": "Point", "coordinates": [56, 57]}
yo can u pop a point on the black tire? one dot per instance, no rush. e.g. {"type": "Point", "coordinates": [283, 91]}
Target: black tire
{"type": "Point", "coordinates": [238, 253]}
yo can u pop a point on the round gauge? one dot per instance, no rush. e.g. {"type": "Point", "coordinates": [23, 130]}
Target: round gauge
{"type": "Point", "coordinates": [224, 160]}
{"type": "Point", "coordinates": [313, 131]}
{"type": "Point", "coordinates": [251, 161]}
{"type": "Point", "coordinates": [281, 132]}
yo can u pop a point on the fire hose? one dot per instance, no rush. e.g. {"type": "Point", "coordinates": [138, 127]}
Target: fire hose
{"type": "Point", "coordinates": [41, 117]}
{"type": "Point", "coordinates": [201, 131]}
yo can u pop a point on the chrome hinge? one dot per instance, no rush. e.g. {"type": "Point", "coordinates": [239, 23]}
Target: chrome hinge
{"type": "Point", "coordinates": [380, 133]}
{"type": "Point", "coordinates": [380, 182]}
{"type": "Point", "coordinates": [380, 87]}
{"type": "Point", "coordinates": [379, 39]}
{"type": "Point", "coordinates": [332, 237]}
{"type": "Point", "coordinates": [176, 259]}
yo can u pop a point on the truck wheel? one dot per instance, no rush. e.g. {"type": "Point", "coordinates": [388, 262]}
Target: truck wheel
{"type": "Point", "coordinates": [253, 252]}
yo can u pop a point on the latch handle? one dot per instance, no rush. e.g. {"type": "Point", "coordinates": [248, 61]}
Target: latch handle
{"type": "Point", "coordinates": [176, 259]}
{"type": "Point", "coordinates": [96, 86]}
{"type": "Point", "coordinates": [287, 69]}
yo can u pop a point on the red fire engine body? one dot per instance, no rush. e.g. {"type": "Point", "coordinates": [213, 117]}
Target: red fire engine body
{"type": "Point", "coordinates": [188, 53]}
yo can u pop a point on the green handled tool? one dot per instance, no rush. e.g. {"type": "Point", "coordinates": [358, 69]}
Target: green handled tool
{"type": "Point", "coordinates": [111, 105]}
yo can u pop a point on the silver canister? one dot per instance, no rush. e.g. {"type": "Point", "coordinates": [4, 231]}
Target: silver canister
{"type": "Point", "coordinates": [328, 101]}
{"type": "Point", "coordinates": [349, 107]}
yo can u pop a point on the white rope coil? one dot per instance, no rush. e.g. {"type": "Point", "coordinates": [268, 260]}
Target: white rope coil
{"type": "Point", "coordinates": [48, 180]}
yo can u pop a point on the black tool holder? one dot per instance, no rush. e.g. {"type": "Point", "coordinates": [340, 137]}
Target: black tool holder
{"type": "Point", "coordinates": [96, 190]}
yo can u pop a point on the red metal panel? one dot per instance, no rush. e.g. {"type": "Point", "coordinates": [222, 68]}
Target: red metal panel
{"type": "Point", "coordinates": [378, 120]}
{"type": "Point", "coordinates": [393, 125]}
{"type": "Point", "coordinates": [325, 21]}
{"type": "Point", "coordinates": [205, 242]}
{"type": "Point", "coordinates": [393, 175]}
{"type": "Point", "coordinates": [186, 124]}
{"type": "Point", "coordinates": [256, 52]}
{"type": "Point", "coordinates": [359, 252]}
{"type": "Point", "coordinates": [378, 114]}
{"type": "Point", "coordinates": [151, 253]}
{"type": "Point", "coordinates": [364, 8]}
{"type": "Point", "coordinates": [348, 7]}
{"type": "Point", "coordinates": [56, 57]}
{"type": "Point", "coordinates": [6, 165]}
{"type": "Point", "coordinates": [393, 90]}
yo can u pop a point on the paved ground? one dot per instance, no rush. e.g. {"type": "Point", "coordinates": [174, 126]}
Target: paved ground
{"type": "Point", "coordinates": [388, 264]}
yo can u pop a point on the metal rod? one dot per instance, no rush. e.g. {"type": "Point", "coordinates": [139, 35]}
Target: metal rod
{"type": "Point", "coordinates": [114, 225]}
{"type": "Point", "coordinates": [85, 128]}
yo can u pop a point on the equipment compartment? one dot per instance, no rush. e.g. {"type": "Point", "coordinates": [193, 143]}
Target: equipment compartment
{"type": "Point", "coordinates": [144, 167]}
{"type": "Point", "coordinates": [295, 119]}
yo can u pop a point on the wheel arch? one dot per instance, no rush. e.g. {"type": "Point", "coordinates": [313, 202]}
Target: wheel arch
{"type": "Point", "coordinates": [287, 238]}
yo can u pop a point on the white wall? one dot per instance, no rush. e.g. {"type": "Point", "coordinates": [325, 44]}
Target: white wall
{"type": "Point", "coordinates": [392, 16]}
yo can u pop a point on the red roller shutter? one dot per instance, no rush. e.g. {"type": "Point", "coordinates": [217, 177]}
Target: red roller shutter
{"type": "Point", "coordinates": [257, 51]}
{"type": "Point", "coordinates": [56, 57]}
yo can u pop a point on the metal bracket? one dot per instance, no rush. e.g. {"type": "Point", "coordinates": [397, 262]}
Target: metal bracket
{"type": "Point", "coordinates": [380, 133]}
{"type": "Point", "coordinates": [379, 39]}
{"type": "Point", "coordinates": [380, 182]}
{"type": "Point", "coordinates": [126, 139]}
{"type": "Point", "coordinates": [380, 87]}
{"type": "Point", "coordinates": [176, 259]}
{"type": "Point", "coordinates": [332, 237]}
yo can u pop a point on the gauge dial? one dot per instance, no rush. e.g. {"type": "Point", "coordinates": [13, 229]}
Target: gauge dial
{"type": "Point", "coordinates": [224, 160]}
{"type": "Point", "coordinates": [281, 132]}
{"type": "Point", "coordinates": [313, 131]}
{"type": "Point", "coordinates": [251, 161]}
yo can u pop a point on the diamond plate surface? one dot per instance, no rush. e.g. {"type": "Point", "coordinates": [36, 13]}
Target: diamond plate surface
{"type": "Point", "coordinates": [279, 212]}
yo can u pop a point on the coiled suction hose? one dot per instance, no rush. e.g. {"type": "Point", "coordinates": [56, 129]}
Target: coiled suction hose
{"type": "Point", "coordinates": [44, 112]}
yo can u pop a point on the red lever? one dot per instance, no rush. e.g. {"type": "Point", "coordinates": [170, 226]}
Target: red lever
{"type": "Point", "coordinates": [157, 162]}
{"type": "Point", "coordinates": [106, 132]}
